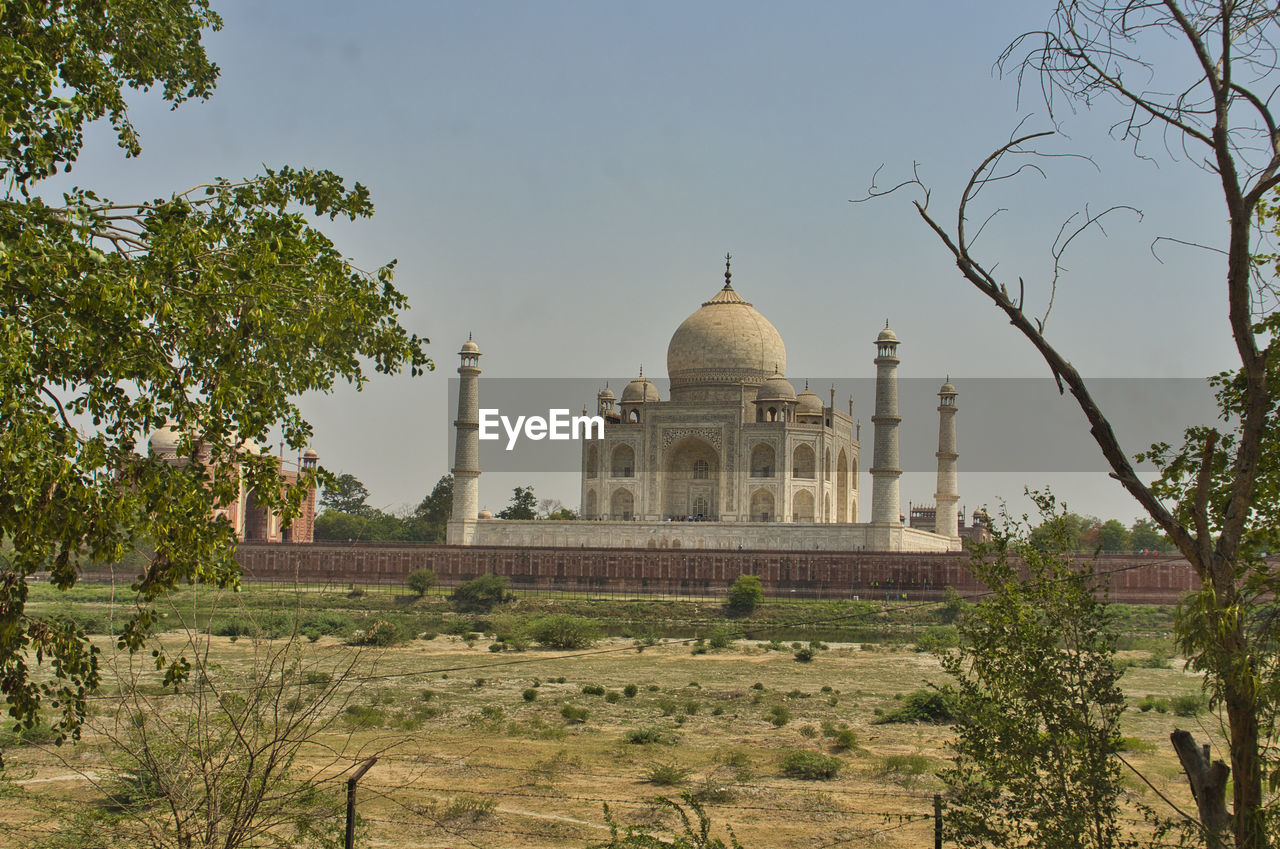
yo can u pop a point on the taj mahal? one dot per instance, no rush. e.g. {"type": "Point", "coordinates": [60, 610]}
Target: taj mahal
{"type": "Point", "coordinates": [735, 458]}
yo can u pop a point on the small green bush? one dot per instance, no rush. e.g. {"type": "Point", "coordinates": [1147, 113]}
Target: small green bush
{"type": "Point", "coordinates": [613, 697]}
{"type": "Point", "coordinates": [808, 732]}
{"type": "Point", "coordinates": [845, 739]}
{"type": "Point", "coordinates": [666, 775]}
{"type": "Point", "coordinates": [480, 595]}
{"type": "Point", "coordinates": [1188, 705]}
{"type": "Point", "coordinates": [562, 631]}
{"type": "Point", "coordinates": [363, 716]}
{"type": "Point", "coordinates": [666, 706]}
{"type": "Point", "coordinates": [379, 633]}
{"type": "Point", "coordinates": [804, 655]}
{"type": "Point", "coordinates": [1153, 703]}
{"type": "Point", "coordinates": [810, 766]}
{"type": "Point", "coordinates": [492, 712]}
{"type": "Point", "coordinates": [497, 647]}
{"type": "Point", "coordinates": [421, 581]}
{"type": "Point", "coordinates": [592, 690]}
{"type": "Point", "coordinates": [630, 691]}
{"type": "Point", "coordinates": [746, 594]}
{"type": "Point", "coordinates": [779, 715]}
{"type": "Point", "coordinates": [529, 694]}
{"type": "Point", "coordinates": [573, 713]}
{"type": "Point", "coordinates": [647, 736]}
{"type": "Point", "coordinates": [927, 706]}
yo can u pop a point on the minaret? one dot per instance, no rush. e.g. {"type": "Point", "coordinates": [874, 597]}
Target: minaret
{"type": "Point", "coordinates": [466, 454]}
{"type": "Point", "coordinates": [886, 469]}
{"type": "Point", "coordinates": [947, 495]}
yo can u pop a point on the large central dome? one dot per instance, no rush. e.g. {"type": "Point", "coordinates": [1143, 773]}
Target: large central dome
{"type": "Point", "coordinates": [725, 343]}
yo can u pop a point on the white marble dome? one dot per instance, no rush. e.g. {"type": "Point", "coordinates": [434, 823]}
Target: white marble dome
{"type": "Point", "coordinates": [640, 390]}
{"type": "Point", "coordinates": [727, 341]}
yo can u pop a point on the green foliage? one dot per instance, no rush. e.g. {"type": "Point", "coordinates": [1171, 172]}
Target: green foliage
{"type": "Point", "coordinates": [563, 631]}
{"type": "Point", "coordinates": [845, 739]}
{"type": "Point", "coordinates": [922, 706]}
{"type": "Point", "coordinates": [524, 504]}
{"type": "Point", "coordinates": [746, 594]}
{"type": "Point", "coordinates": [1155, 703]}
{"type": "Point", "coordinates": [953, 606]}
{"type": "Point", "coordinates": [1037, 701]}
{"type": "Point", "coordinates": [905, 769]}
{"type": "Point", "coordinates": [480, 595]}
{"type": "Point", "coordinates": [810, 766]}
{"type": "Point", "coordinates": [377, 633]}
{"type": "Point", "coordinates": [421, 581]}
{"type": "Point", "coordinates": [574, 713]}
{"type": "Point", "coordinates": [779, 715]}
{"type": "Point", "coordinates": [937, 638]}
{"type": "Point", "coordinates": [529, 694]}
{"type": "Point", "coordinates": [345, 494]}
{"type": "Point", "coordinates": [436, 509]}
{"type": "Point", "coordinates": [592, 690]}
{"type": "Point", "coordinates": [805, 654]}
{"type": "Point", "coordinates": [1188, 705]}
{"type": "Point", "coordinates": [630, 691]}
{"type": "Point", "coordinates": [212, 309]}
{"type": "Point", "coordinates": [691, 835]}
{"type": "Point", "coordinates": [647, 736]}
{"type": "Point", "coordinates": [666, 774]}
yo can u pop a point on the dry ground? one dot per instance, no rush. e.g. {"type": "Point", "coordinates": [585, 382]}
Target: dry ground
{"type": "Point", "coordinates": [466, 760]}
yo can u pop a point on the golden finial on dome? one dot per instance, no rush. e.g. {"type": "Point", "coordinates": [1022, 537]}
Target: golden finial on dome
{"type": "Point", "coordinates": [727, 273]}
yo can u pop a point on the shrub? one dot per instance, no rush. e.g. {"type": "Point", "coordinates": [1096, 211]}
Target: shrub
{"type": "Point", "coordinates": [938, 638]}
{"type": "Point", "coordinates": [492, 712]}
{"type": "Point", "coordinates": [630, 691]}
{"type": "Point", "coordinates": [363, 716]}
{"type": "Point", "coordinates": [497, 647]}
{"type": "Point", "coordinates": [666, 706]}
{"type": "Point", "coordinates": [720, 638]}
{"type": "Point", "coordinates": [666, 775]}
{"type": "Point", "coordinates": [1188, 705]}
{"type": "Point", "coordinates": [573, 713]}
{"type": "Point", "coordinates": [1149, 702]}
{"type": "Point", "coordinates": [745, 595]}
{"type": "Point", "coordinates": [647, 736]}
{"type": "Point", "coordinates": [808, 732]}
{"type": "Point", "coordinates": [562, 631]}
{"type": "Point", "coordinates": [845, 739]}
{"type": "Point", "coordinates": [421, 581]}
{"type": "Point", "coordinates": [613, 697]}
{"type": "Point", "coordinates": [804, 655]}
{"type": "Point", "coordinates": [904, 768]}
{"type": "Point", "coordinates": [480, 595]}
{"type": "Point", "coordinates": [931, 706]}
{"type": "Point", "coordinates": [529, 694]}
{"type": "Point", "coordinates": [779, 715]}
{"type": "Point", "coordinates": [810, 766]}
{"type": "Point", "coordinates": [592, 690]}
{"type": "Point", "coordinates": [460, 626]}
{"type": "Point", "coordinates": [691, 707]}
{"type": "Point", "coordinates": [379, 633]}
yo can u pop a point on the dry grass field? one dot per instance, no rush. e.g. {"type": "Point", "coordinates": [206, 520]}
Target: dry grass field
{"type": "Point", "coordinates": [524, 749]}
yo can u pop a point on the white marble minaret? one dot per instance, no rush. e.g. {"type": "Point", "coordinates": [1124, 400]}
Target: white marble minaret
{"type": "Point", "coordinates": [466, 453]}
{"type": "Point", "coordinates": [886, 467]}
{"type": "Point", "coordinates": [947, 522]}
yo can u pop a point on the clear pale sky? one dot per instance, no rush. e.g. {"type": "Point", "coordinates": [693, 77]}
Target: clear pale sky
{"type": "Point", "coordinates": [563, 179]}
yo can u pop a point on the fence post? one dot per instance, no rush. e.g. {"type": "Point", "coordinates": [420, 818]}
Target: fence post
{"type": "Point", "coordinates": [351, 801]}
{"type": "Point", "coordinates": [937, 821]}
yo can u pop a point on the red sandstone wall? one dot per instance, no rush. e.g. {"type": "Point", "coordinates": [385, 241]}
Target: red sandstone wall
{"type": "Point", "coordinates": [827, 574]}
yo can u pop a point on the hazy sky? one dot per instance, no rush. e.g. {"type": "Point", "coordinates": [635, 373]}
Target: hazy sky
{"type": "Point", "coordinates": [562, 179]}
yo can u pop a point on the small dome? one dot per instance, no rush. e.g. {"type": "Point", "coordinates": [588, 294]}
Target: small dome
{"type": "Point", "coordinates": [605, 394]}
{"type": "Point", "coordinates": [311, 455]}
{"type": "Point", "coordinates": [808, 404]}
{"type": "Point", "coordinates": [776, 388]}
{"type": "Point", "coordinates": [469, 347]}
{"type": "Point", "coordinates": [886, 335]}
{"type": "Point", "coordinates": [164, 442]}
{"type": "Point", "coordinates": [486, 514]}
{"type": "Point", "coordinates": [947, 389]}
{"type": "Point", "coordinates": [640, 390]}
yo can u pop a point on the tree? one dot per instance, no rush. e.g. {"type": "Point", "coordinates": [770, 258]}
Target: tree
{"type": "Point", "coordinates": [346, 494]}
{"type": "Point", "coordinates": [1145, 535]}
{"type": "Point", "coordinates": [1113, 536]}
{"type": "Point", "coordinates": [209, 310]}
{"type": "Point", "coordinates": [523, 504]}
{"type": "Point", "coordinates": [480, 595]}
{"type": "Point", "coordinates": [1209, 95]}
{"type": "Point", "coordinates": [225, 761]}
{"type": "Point", "coordinates": [436, 509]}
{"type": "Point", "coordinates": [421, 581]}
{"type": "Point", "coordinates": [745, 595]}
{"type": "Point", "coordinates": [1037, 701]}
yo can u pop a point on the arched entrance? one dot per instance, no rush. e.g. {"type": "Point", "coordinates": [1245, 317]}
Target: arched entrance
{"type": "Point", "coordinates": [802, 506]}
{"type": "Point", "coordinates": [842, 488]}
{"type": "Point", "coordinates": [589, 506]}
{"type": "Point", "coordinates": [691, 480]}
{"type": "Point", "coordinates": [622, 505]}
{"type": "Point", "coordinates": [762, 508]}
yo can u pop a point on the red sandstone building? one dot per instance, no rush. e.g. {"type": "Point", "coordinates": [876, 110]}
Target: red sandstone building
{"type": "Point", "coordinates": [251, 520]}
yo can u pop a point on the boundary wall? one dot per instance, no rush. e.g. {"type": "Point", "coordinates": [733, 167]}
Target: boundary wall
{"type": "Point", "coordinates": [1136, 579]}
